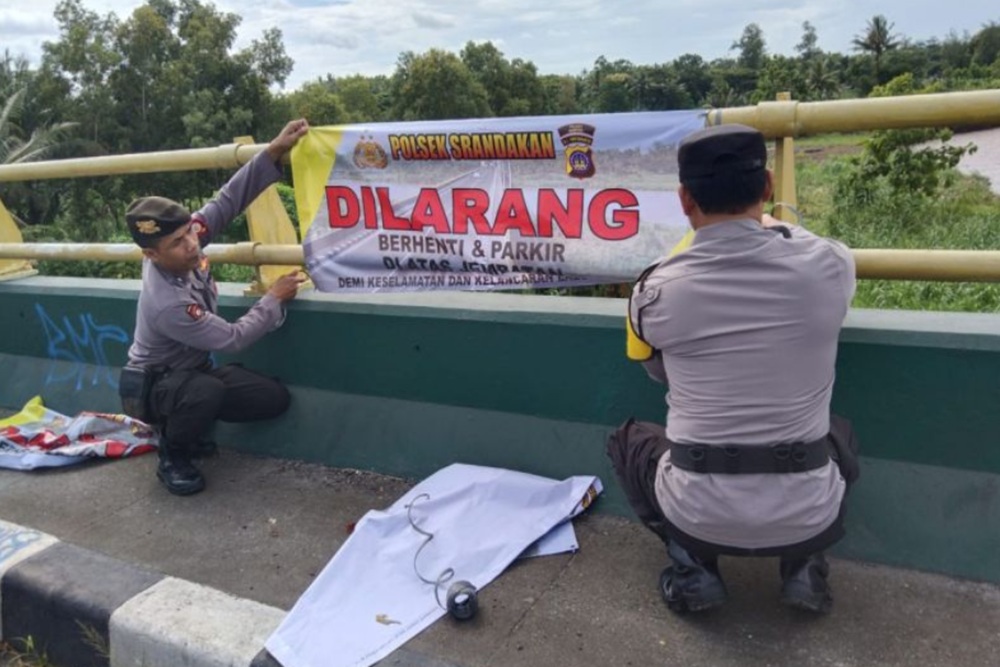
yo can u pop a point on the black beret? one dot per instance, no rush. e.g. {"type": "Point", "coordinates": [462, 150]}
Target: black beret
{"type": "Point", "coordinates": [722, 148]}
{"type": "Point", "coordinates": [150, 218]}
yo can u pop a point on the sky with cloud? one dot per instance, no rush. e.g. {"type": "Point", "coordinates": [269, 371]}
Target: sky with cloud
{"type": "Point", "coordinates": [342, 37]}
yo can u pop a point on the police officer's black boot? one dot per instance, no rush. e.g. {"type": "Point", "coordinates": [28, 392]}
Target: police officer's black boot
{"type": "Point", "coordinates": [177, 472]}
{"type": "Point", "coordinates": [804, 583]}
{"type": "Point", "coordinates": [691, 584]}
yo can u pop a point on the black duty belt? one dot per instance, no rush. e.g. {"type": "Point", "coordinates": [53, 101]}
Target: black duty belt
{"type": "Point", "coordinates": [748, 459]}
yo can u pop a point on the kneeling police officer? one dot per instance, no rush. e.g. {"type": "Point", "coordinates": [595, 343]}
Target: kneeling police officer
{"type": "Point", "coordinates": [170, 379]}
{"type": "Point", "coordinates": [742, 327]}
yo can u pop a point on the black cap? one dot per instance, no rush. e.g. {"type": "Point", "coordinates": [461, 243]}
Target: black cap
{"type": "Point", "coordinates": [150, 218]}
{"type": "Point", "coordinates": [723, 148]}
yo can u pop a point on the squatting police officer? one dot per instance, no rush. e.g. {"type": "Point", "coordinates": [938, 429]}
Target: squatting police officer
{"type": "Point", "coordinates": [170, 379]}
{"type": "Point", "coordinates": [742, 327]}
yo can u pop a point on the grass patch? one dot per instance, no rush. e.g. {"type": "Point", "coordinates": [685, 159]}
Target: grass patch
{"type": "Point", "coordinates": [964, 215]}
{"type": "Point", "coordinates": [23, 653]}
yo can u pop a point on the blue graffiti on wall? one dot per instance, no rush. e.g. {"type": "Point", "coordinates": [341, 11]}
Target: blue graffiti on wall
{"type": "Point", "coordinates": [82, 343]}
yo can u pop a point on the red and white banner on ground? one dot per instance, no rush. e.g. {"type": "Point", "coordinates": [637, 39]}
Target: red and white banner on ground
{"type": "Point", "coordinates": [37, 437]}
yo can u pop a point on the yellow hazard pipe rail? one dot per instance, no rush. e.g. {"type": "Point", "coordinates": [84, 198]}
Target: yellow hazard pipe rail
{"type": "Point", "coordinates": [226, 156]}
{"type": "Point", "coordinates": [775, 119]}
{"type": "Point", "coordinates": [781, 119]}
{"type": "Point", "coordinates": [938, 265]}
{"type": "Point", "coordinates": [249, 253]}
{"type": "Point", "coordinates": [787, 118]}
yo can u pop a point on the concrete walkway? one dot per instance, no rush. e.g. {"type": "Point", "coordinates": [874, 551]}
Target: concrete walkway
{"type": "Point", "coordinates": [265, 527]}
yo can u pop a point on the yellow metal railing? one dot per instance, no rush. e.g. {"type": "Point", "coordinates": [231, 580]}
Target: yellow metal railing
{"type": "Point", "coordinates": [781, 120]}
{"type": "Point", "coordinates": [227, 156]}
{"type": "Point", "coordinates": [248, 253]}
{"type": "Point", "coordinates": [939, 265]}
{"type": "Point", "coordinates": [271, 230]}
{"type": "Point", "coordinates": [786, 118]}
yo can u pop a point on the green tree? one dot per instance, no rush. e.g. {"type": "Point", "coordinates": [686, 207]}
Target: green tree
{"type": "Point", "coordinates": [808, 47]}
{"type": "Point", "coordinates": [14, 72]}
{"type": "Point", "coordinates": [14, 147]}
{"type": "Point", "coordinates": [486, 63]}
{"type": "Point", "coordinates": [693, 76]}
{"type": "Point", "coordinates": [318, 104]}
{"type": "Point", "coordinates": [822, 79]}
{"type": "Point", "coordinates": [986, 44]}
{"type": "Point", "coordinates": [361, 97]}
{"type": "Point", "coordinates": [144, 85]}
{"type": "Point", "coordinates": [512, 87]}
{"type": "Point", "coordinates": [661, 89]}
{"type": "Point", "coordinates": [780, 74]}
{"type": "Point", "coordinates": [877, 40]}
{"type": "Point", "coordinates": [944, 56]}
{"type": "Point", "coordinates": [616, 93]}
{"type": "Point", "coordinates": [166, 77]}
{"type": "Point", "coordinates": [722, 94]}
{"type": "Point", "coordinates": [527, 96]}
{"type": "Point", "coordinates": [26, 203]}
{"type": "Point", "coordinates": [86, 58]}
{"type": "Point", "coordinates": [608, 86]}
{"type": "Point", "coordinates": [560, 93]}
{"type": "Point", "coordinates": [434, 86]}
{"type": "Point", "coordinates": [752, 48]}
{"type": "Point", "coordinates": [732, 84]}
{"type": "Point", "coordinates": [267, 58]}
{"type": "Point", "coordinates": [900, 164]}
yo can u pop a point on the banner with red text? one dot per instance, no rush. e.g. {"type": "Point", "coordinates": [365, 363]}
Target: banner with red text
{"type": "Point", "coordinates": [498, 203]}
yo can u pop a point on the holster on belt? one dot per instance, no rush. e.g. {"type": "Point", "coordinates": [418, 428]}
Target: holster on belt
{"type": "Point", "coordinates": [135, 384]}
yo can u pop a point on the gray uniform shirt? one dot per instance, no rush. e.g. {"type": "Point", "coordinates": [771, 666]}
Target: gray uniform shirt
{"type": "Point", "coordinates": [747, 323]}
{"type": "Point", "coordinates": [176, 322]}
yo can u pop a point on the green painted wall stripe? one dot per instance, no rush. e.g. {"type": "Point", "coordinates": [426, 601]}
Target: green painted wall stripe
{"type": "Point", "coordinates": [407, 384]}
{"type": "Point", "coordinates": [925, 400]}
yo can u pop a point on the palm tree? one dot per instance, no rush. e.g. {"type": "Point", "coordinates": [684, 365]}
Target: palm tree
{"type": "Point", "coordinates": [822, 79]}
{"type": "Point", "coordinates": [43, 140]}
{"type": "Point", "coordinates": [14, 149]}
{"type": "Point", "coordinates": [876, 40]}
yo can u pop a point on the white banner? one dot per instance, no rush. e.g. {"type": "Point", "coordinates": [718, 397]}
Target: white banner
{"type": "Point", "coordinates": [500, 203]}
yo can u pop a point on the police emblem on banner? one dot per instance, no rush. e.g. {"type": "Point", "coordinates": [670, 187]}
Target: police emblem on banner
{"type": "Point", "coordinates": [577, 139]}
{"type": "Point", "coordinates": [368, 154]}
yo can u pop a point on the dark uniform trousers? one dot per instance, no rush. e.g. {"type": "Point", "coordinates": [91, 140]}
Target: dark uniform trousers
{"type": "Point", "coordinates": [635, 450]}
{"type": "Point", "coordinates": [186, 404]}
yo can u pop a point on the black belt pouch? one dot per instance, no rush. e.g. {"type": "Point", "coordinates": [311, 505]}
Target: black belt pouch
{"type": "Point", "coordinates": [134, 387]}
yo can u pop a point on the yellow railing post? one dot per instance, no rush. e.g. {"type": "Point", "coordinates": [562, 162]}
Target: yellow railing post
{"type": "Point", "coordinates": [9, 233]}
{"type": "Point", "coordinates": [784, 174]}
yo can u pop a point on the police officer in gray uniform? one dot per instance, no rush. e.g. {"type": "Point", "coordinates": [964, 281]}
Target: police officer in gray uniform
{"type": "Point", "coordinates": [742, 327]}
{"type": "Point", "coordinates": [170, 379]}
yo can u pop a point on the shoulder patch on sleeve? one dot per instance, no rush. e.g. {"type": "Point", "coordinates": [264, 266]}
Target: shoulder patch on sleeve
{"type": "Point", "coordinates": [195, 312]}
{"type": "Point", "coordinates": [199, 226]}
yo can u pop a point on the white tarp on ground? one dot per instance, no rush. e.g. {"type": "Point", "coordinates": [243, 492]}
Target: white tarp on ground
{"type": "Point", "coordinates": [368, 601]}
